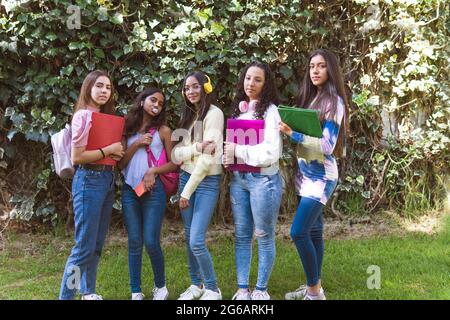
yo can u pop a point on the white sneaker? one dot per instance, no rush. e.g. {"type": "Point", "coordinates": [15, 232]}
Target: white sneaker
{"type": "Point", "coordinates": [91, 296]}
{"type": "Point", "coordinates": [192, 293]}
{"type": "Point", "coordinates": [211, 295]}
{"type": "Point", "coordinates": [242, 294]}
{"type": "Point", "coordinates": [320, 296]}
{"type": "Point", "coordinates": [160, 293]}
{"type": "Point", "coordinates": [260, 295]}
{"type": "Point", "coordinates": [137, 296]}
{"type": "Point", "coordinates": [300, 293]}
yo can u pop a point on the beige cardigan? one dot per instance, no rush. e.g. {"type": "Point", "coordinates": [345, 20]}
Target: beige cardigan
{"type": "Point", "coordinates": [198, 164]}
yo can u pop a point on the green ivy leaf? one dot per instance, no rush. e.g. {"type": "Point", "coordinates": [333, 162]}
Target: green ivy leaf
{"type": "Point", "coordinates": [52, 81]}
{"type": "Point", "coordinates": [203, 17]}
{"type": "Point", "coordinates": [153, 23]}
{"type": "Point", "coordinates": [35, 113]}
{"type": "Point", "coordinates": [74, 46]}
{"type": "Point", "coordinates": [11, 134]}
{"type": "Point", "coordinates": [366, 194]}
{"type": "Point", "coordinates": [99, 53]}
{"type": "Point", "coordinates": [360, 180]}
{"type": "Point", "coordinates": [117, 18]}
{"type": "Point", "coordinates": [65, 71]}
{"type": "Point", "coordinates": [117, 53]}
{"type": "Point", "coordinates": [217, 28]}
{"type": "Point", "coordinates": [46, 115]}
{"type": "Point", "coordinates": [146, 79]}
{"type": "Point", "coordinates": [127, 49]}
{"type": "Point", "coordinates": [102, 14]}
{"type": "Point", "coordinates": [235, 6]}
{"type": "Point", "coordinates": [89, 65]}
{"type": "Point", "coordinates": [9, 111]}
{"type": "Point", "coordinates": [51, 36]}
{"type": "Point", "coordinates": [379, 157]}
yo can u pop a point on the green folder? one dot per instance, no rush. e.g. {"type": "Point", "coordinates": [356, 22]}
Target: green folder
{"type": "Point", "coordinates": [305, 121]}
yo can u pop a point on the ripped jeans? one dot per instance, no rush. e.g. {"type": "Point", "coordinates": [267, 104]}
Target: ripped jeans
{"type": "Point", "coordinates": [255, 202]}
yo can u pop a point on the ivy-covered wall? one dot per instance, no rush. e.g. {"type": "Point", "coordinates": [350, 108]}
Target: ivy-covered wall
{"type": "Point", "coordinates": [394, 55]}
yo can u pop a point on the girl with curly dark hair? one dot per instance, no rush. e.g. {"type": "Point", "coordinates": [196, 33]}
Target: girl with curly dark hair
{"type": "Point", "coordinates": [256, 194]}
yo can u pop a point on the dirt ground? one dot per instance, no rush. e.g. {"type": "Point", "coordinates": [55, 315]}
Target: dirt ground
{"type": "Point", "coordinates": [350, 228]}
{"type": "Point", "coordinates": [27, 243]}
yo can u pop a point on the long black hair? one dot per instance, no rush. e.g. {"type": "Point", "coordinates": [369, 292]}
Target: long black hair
{"type": "Point", "coordinates": [269, 93]}
{"type": "Point", "coordinates": [328, 97]}
{"type": "Point", "coordinates": [135, 116]}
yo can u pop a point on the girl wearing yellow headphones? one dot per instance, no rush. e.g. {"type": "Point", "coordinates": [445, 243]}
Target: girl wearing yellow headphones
{"type": "Point", "coordinates": [200, 154]}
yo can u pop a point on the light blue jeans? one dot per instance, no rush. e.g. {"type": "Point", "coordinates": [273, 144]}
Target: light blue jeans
{"type": "Point", "coordinates": [93, 198]}
{"type": "Point", "coordinates": [143, 219]}
{"type": "Point", "coordinates": [255, 202]}
{"type": "Point", "coordinates": [196, 219]}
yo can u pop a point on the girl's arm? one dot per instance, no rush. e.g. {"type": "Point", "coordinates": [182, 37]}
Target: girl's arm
{"type": "Point", "coordinates": [81, 156]}
{"type": "Point", "coordinates": [81, 125]}
{"type": "Point", "coordinates": [267, 152]}
{"type": "Point", "coordinates": [126, 157]}
{"type": "Point", "coordinates": [330, 134]}
{"type": "Point", "coordinates": [143, 141]}
{"type": "Point", "coordinates": [213, 131]}
{"type": "Point", "coordinates": [184, 150]}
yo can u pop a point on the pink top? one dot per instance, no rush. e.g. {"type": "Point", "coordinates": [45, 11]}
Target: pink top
{"type": "Point", "coordinates": [81, 125]}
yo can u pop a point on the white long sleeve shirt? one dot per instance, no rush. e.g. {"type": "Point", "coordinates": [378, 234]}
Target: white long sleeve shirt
{"type": "Point", "coordinates": [265, 155]}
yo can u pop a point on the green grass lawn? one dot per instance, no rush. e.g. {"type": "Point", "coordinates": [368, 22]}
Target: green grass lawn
{"type": "Point", "coordinates": [413, 266]}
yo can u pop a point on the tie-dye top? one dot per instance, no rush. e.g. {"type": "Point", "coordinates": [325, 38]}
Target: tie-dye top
{"type": "Point", "coordinates": [318, 173]}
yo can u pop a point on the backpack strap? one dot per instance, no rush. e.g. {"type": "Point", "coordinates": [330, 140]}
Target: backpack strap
{"type": "Point", "coordinates": [149, 150]}
{"type": "Point", "coordinates": [152, 157]}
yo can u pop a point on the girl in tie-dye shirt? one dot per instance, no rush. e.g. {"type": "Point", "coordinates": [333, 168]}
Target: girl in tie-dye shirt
{"type": "Point", "coordinates": [317, 176]}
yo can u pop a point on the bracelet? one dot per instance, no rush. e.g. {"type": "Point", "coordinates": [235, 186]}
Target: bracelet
{"type": "Point", "coordinates": [102, 152]}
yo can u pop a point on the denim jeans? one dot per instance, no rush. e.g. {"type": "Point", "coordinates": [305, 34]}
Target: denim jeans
{"type": "Point", "coordinates": [143, 220]}
{"type": "Point", "coordinates": [255, 202]}
{"type": "Point", "coordinates": [93, 198]}
{"type": "Point", "coordinates": [196, 219]}
{"type": "Point", "coordinates": [307, 234]}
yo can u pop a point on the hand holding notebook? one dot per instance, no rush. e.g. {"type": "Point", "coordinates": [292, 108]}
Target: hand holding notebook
{"type": "Point", "coordinates": [305, 121]}
{"type": "Point", "coordinates": [106, 129]}
{"type": "Point", "coordinates": [244, 132]}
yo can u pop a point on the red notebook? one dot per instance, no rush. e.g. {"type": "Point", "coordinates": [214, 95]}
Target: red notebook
{"type": "Point", "coordinates": [245, 132]}
{"type": "Point", "coordinates": [106, 129]}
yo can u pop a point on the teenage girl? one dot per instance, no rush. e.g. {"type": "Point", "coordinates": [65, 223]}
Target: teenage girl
{"type": "Point", "coordinates": [199, 154]}
{"type": "Point", "coordinates": [322, 89]}
{"type": "Point", "coordinates": [144, 215]}
{"type": "Point", "coordinates": [256, 197]}
{"type": "Point", "coordinates": [92, 189]}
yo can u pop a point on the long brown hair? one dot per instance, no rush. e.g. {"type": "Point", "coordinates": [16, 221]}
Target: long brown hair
{"type": "Point", "coordinates": [135, 116]}
{"type": "Point", "coordinates": [328, 98]}
{"type": "Point", "coordinates": [269, 93]}
{"type": "Point", "coordinates": [85, 99]}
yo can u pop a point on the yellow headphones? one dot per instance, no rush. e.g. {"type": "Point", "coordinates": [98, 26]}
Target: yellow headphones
{"type": "Point", "coordinates": [208, 86]}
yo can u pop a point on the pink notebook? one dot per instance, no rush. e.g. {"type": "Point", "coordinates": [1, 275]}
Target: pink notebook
{"type": "Point", "coordinates": [244, 132]}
